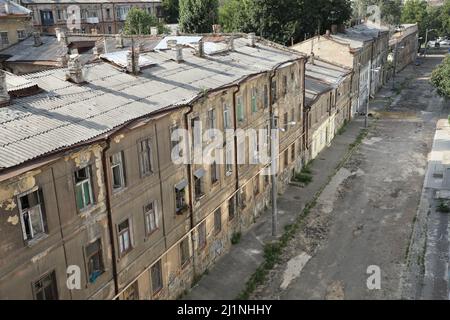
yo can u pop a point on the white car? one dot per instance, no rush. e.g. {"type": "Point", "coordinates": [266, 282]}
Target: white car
{"type": "Point", "coordinates": [445, 43]}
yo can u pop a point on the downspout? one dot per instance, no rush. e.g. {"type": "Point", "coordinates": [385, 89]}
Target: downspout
{"type": "Point", "coordinates": [236, 155]}
{"type": "Point", "coordinates": [191, 195]}
{"type": "Point", "coordinates": [109, 213]}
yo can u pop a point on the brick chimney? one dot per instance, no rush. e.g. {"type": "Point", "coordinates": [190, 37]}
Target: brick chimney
{"type": "Point", "coordinates": [4, 95]}
{"type": "Point", "coordinates": [119, 41]}
{"type": "Point", "coordinates": [37, 39]}
{"type": "Point", "coordinates": [75, 71]}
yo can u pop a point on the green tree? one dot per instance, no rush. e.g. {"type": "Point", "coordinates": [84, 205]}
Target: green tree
{"type": "Point", "coordinates": [140, 21]}
{"type": "Point", "coordinates": [233, 15]}
{"type": "Point", "coordinates": [415, 11]}
{"type": "Point", "coordinates": [440, 78]}
{"type": "Point", "coordinates": [198, 16]}
{"type": "Point", "coordinates": [444, 17]}
{"type": "Point", "coordinates": [171, 10]}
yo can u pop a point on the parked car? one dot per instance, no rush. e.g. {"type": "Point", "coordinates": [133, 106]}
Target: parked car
{"type": "Point", "coordinates": [433, 44]}
{"type": "Point", "coordinates": [444, 43]}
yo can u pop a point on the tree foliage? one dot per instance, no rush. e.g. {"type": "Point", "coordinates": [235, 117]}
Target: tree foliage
{"type": "Point", "coordinates": [440, 78]}
{"type": "Point", "coordinates": [283, 20]}
{"type": "Point", "coordinates": [390, 10]}
{"type": "Point", "coordinates": [198, 16]}
{"type": "Point", "coordinates": [171, 10]}
{"type": "Point", "coordinates": [140, 21]}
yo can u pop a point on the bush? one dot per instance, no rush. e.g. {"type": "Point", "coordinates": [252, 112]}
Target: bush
{"type": "Point", "coordinates": [236, 238]}
{"type": "Point", "coordinates": [440, 78]}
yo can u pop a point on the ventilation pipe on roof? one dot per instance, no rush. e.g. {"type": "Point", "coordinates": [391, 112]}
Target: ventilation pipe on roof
{"type": "Point", "coordinates": [74, 72]}
{"type": "Point", "coordinates": [63, 38]}
{"type": "Point", "coordinates": [327, 33]}
{"type": "Point", "coordinates": [231, 43]}
{"type": "Point", "coordinates": [4, 95]}
{"type": "Point", "coordinates": [154, 31]}
{"type": "Point", "coordinates": [37, 39]}
{"type": "Point", "coordinates": [171, 43]}
{"type": "Point", "coordinates": [252, 39]}
{"type": "Point", "coordinates": [119, 41]}
{"type": "Point", "coordinates": [201, 48]}
{"type": "Point", "coordinates": [179, 53]}
{"type": "Point", "coordinates": [94, 31]}
{"type": "Point", "coordinates": [58, 34]}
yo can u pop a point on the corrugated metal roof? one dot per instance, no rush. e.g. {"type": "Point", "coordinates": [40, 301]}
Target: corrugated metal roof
{"type": "Point", "coordinates": [67, 114]}
{"type": "Point", "coordinates": [313, 89]}
{"type": "Point", "coordinates": [183, 40]}
{"type": "Point", "coordinates": [88, 1]}
{"type": "Point", "coordinates": [50, 50]}
{"type": "Point", "coordinates": [120, 58]}
{"type": "Point", "coordinates": [8, 8]}
{"type": "Point", "coordinates": [327, 72]}
{"type": "Point", "coordinates": [14, 83]}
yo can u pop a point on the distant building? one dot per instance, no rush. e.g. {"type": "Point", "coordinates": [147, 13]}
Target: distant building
{"type": "Point", "coordinates": [15, 23]}
{"type": "Point", "coordinates": [102, 16]}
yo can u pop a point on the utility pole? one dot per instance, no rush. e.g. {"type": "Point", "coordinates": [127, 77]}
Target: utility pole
{"type": "Point", "coordinates": [366, 118]}
{"type": "Point", "coordinates": [273, 172]}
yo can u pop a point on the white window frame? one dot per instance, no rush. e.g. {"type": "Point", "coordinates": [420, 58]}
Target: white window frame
{"type": "Point", "coordinates": [30, 225]}
{"type": "Point", "coordinates": [117, 162]}
{"type": "Point", "coordinates": [145, 156]}
{"type": "Point", "coordinates": [151, 218]}
{"type": "Point", "coordinates": [121, 240]}
{"type": "Point", "coordinates": [88, 180]}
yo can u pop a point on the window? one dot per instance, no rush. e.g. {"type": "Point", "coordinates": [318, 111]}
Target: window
{"type": "Point", "coordinates": [201, 230]}
{"type": "Point", "coordinates": [254, 102]}
{"type": "Point", "coordinates": [226, 117]}
{"type": "Point", "coordinates": [274, 91]}
{"type": "Point", "coordinates": [108, 14]}
{"type": "Point", "coordinates": [217, 221]}
{"type": "Point", "coordinates": [132, 292]}
{"type": "Point", "coordinates": [214, 172]}
{"type": "Point", "coordinates": [4, 38]}
{"type": "Point", "coordinates": [240, 109]}
{"type": "Point", "coordinates": [46, 17]}
{"type": "Point", "coordinates": [196, 132]}
{"type": "Point", "coordinates": [157, 280]}
{"type": "Point", "coordinates": [286, 122]}
{"type": "Point", "coordinates": [124, 237]}
{"type": "Point", "coordinates": [284, 85]}
{"type": "Point", "coordinates": [109, 29]}
{"type": "Point", "coordinates": [45, 288]}
{"type": "Point", "coordinates": [83, 188]}
{"type": "Point", "coordinates": [293, 79]}
{"type": "Point", "coordinates": [117, 170]}
{"type": "Point", "coordinates": [180, 196]}
{"type": "Point", "coordinates": [286, 158]}
{"type": "Point", "coordinates": [175, 142]}
{"type": "Point", "coordinates": [292, 115]}
{"type": "Point", "coordinates": [211, 122]}
{"type": "Point", "coordinates": [21, 34]}
{"type": "Point", "coordinates": [229, 160]}
{"type": "Point", "coordinates": [94, 259]}
{"type": "Point", "coordinates": [243, 198]}
{"type": "Point", "coordinates": [145, 157]}
{"type": "Point", "coordinates": [266, 96]}
{"type": "Point", "coordinates": [198, 183]}
{"type": "Point", "coordinates": [293, 152]}
{"type": "Point", "coordinates": [150, 218]}
{"type": "Point", "coordinates": [256, 185]}
{"type": "Point", "coordinates": [184, 252]}
{"type": "Point", "coordinates": [231, 208]}
{"type": "Point", "coordinates": [32, 214]}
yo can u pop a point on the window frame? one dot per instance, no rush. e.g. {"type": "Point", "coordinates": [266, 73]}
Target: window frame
{"type": "Point", "coordinates": [99, 253]}
{"type": "Point", "coordinates": [120, 234]}
{"type": "Point", "coordinates": [53, 283]}
{"type": "Point", "coordinates": [121, 166]}
{"type": "Point", "coordinates": [87, 180]}
{"type": "Point", "coordinates": [160, 282]}
{"type": "Point", "coordinates": [42, 216]}
{"type": "Point", "coordinates": [145, 152]}
{"type": "Point", "coordinates": [148, 213]}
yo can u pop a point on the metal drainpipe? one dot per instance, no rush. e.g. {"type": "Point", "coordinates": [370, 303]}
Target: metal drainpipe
{"type": "Point", "coordinates": [109, 213]}
{"type": "Point", "coordinates": [236, 155]}
{"type": "Point", "coordinates": [189, 177]}
{"type": "Point", "coordinates": [273, 157]}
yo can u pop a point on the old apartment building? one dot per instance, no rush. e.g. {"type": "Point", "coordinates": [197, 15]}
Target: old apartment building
{"type": "Point", "coordinates": [327, 102]}
{"type": "Point", "coordinates": [15, 23]}
{"type": "Point", "coordinates": [403, 45]}
{"type": "Point", "coordinates": [87, 172]}
{"type": "Point", "coordinates": [362, 47]}
{"type": "Point", "coordinates": [99, 16]}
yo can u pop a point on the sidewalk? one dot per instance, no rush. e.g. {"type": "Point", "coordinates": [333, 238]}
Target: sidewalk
{"type": "Point", "coordinates": [229, 275]}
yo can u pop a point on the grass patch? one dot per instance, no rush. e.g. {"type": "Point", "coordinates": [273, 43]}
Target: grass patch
{"type": "Point", "coordinates": [343, 127]}
{"type": "Point", "coordinates": [236, 237]}
{"type": "Point", "coordinates": [305, 175]}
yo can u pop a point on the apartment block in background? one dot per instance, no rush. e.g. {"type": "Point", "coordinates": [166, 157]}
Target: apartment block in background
{"type": "Point", "coordinates": [98, 16]}
{"type": "Point", "coordinates": [15, 23]}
